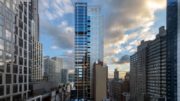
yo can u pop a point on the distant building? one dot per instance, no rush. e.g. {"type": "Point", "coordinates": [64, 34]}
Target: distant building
{"type": "Point", "coordinates": [116, 74]}
{"type": "Point", "coordinates": [52, 69]}
{"type": "Point", "coordinates": [100, 76]}
{"type": "Point", "coordinates": [37, 64]}
{"type": "Point", "coordinates": [56, 69]}
{"type": "Point", "coordinates": [47, 67]}
{"type": "Point", "coordinates": [64, 76]}
{"type": "Point", "coordinates": [71, 77]}
{"type": "Point", "coordinates": [119, 89]}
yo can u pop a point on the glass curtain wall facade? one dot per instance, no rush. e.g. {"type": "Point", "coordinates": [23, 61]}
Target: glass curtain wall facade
{"type": "Point", "coordinates": [82, 52]}
{"type": "Point", "coordinates": [96, 38]}
{"type": "Point", "coordinates": [15, 49]}
{"type": "Point", "coordinates": [173, 48]}
{"type": "Point", "coordinates": [16, 46]}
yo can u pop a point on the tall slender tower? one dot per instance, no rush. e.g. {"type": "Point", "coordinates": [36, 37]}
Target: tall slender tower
{"type": "Point", "coordinates": [173, 50]}
{"type": "Point", "coordinates": [88, 47]}
{"type": "Point", "coordinates": [81, 50]}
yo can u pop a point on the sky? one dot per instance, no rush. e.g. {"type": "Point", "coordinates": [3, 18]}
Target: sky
{"type": "Point", "coordinates": [126, 24]}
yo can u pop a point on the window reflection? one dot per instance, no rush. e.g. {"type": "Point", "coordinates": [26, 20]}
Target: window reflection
{"type": "Point", "coordinates": [1, 31]}
{"type": "Point", "coordinates": [1, 20]}
{"type": "Point", "coordinates": [1, 56]}
{"type": "Point", "coordinates": [1, 44]}
{"type": "Point", "coordinates": [8, 35]}
{"type": "Point", "coordinates": [8, 57]}
{"type": "Point", "coordinates": [1, 67]}
{"type": "Point", "coordinates": [8, 47]}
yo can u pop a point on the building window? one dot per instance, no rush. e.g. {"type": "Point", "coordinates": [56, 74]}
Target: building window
{"type": "Point", "coordinates": [1, 44]}
{"type": "Point", "coordinates": [1, 20]}
{"type": "Point", "coordinates": [25, 87]}
{"type": "Point", "coordinates": [1, 31]}
{"type": "Point", "coordinates": [8, 68]}
{"type": "Point", "coordinates": [15, 79]}
{"type": "Point", "coordinates": [1, 90]}
{"type": "Point", "coordinates": [20, 42]}
{"type": "Point", "coordinates": [1, 67]}
{"type": "Point", "coordinates": [8, 78]}
{"type": "Point", "coordinates": [1, 78]}
{"type": "Point", "coordinates": [15, 88]}
{"type": "Point", "coordinates": [8, 47]}
{"type": "Point", "coordinates": [15, 69]}
{"type": "Point", "coordinates": [8, 57]}
{"type": "Point", "coordinates": [8, 35]}
{"type": "Point", "coordinates": [7, 89]}
{"type": "Point", "coordinates": [20, 88]}
{"type": "Point", "coordinates": [1, 55]}
{"type": "Point", "coordinates": [20, 60]}
{"type": "Point", "coordinates": [20, 78]}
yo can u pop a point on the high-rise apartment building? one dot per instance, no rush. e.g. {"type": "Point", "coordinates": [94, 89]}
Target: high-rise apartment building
{"type": "Point", "coordinates": [138, 73]}
{"type": "Point", "coordinates": [148, 70]}
{"type": "Point", "coordinates": [37, 66]}
{"type": "Point", "coordinates": [16, 33]}
{"type": "Point", "coordinates": [173, 50]}
{"type": "Point", "coordinates": [156, 67]}
{"type": "Point", "coordinates": [88, 47]}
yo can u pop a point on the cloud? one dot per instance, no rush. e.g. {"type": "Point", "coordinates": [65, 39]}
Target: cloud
{"type": "Point", "coordinates": [122, 16]}
{"type": "Point", "coordinates": [55, 9]}
{"type": "Point", "coordinates": [123, 60]}
{"type": "Point", "coordinates": [62, 34]}
{"type": "Point", "coordinates": [54, 47]}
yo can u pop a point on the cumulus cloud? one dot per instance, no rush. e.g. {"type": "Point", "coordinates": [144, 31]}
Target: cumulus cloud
{"type": "Point", "coordinates": [54, 9]}
{"type": "Point", "coordinates": [125, 15]}
{"type": "Point", "coordinates": [121, 16]}
{"type": "Point", "coordinates": [62, 34]}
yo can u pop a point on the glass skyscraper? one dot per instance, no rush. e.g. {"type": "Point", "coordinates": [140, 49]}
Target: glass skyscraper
{"type": "Point", "coordinates": [96, 39]}
{"type": "Point", "coordinates": [82, 53]}
{"type": "Point", "coordinates": [173, 50]}
{"type": "Point", "coordinates": [88, 46]}
{"type": "Point", "coordinates": [17, 32]}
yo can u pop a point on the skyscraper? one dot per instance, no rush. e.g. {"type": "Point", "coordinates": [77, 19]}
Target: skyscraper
{"type": "Point", "coordinates": [82, 40]}
{"type": "Point", "coordinates": [173, 50]}
{"type": "Point", "coordinates": [156, 67]}
{"type": "Point", "coordinates": [138, 73]}
{"type": "Point", "coordinates": [16, 42]}
{"type": "Point", "coordinates": [88, 46]}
